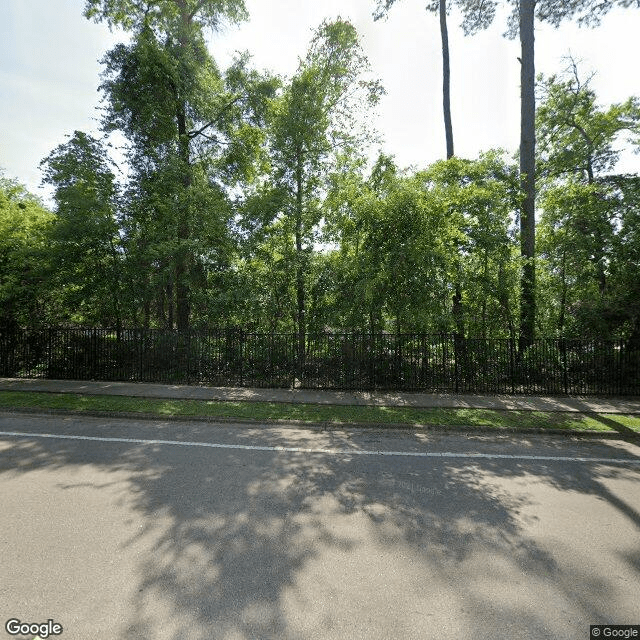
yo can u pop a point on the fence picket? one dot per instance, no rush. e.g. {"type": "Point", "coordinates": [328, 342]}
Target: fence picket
{"type": "Point", "coordinates": [408, 362]}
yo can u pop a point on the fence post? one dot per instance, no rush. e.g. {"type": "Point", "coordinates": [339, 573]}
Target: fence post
{"type": "Point", "coordinates": [565, 373]}
{"type": "Point", "coordinates": [48, 375]}
{"type": "Point", "coordinates": [455, 361]}
{"type": "Point", "coordinates": [93, 353]}
{"type": "Point", "coordinates": [512, 368]}
{"type": "Point", "coordinates": [188, 348]}
{"type": "Point", "coordinates": [240, 350]}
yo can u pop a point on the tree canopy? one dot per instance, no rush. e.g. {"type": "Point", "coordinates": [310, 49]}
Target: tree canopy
{"type": "Point", "coordinates": [269, 203]}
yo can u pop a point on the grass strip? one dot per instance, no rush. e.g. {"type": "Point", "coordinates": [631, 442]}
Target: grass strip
{"type": "Point", "coordinates": [485, 418]}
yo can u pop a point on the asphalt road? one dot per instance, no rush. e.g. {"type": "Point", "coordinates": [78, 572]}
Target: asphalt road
{"type": "Point", "coordinates": [145, 530]}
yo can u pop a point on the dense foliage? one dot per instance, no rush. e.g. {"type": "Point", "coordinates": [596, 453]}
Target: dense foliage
{"type": "Point", "coordinates": [249, 201]}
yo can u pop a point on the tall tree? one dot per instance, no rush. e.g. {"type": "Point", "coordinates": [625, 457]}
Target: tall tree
{"type": "Point", "coordinates": [25, 231]}
{"type": "Point", "coordinates": [407, 241]}
{"type": "Point", "coordinates": [317, 116]}
{"type": "Point", "coordinates": [527, 172]}
{"type": "Point", "coordinates": [85, 241]}
{"type": "Point", "coordinates": [185, 106]}
{"type": "Point", "coordinates": [439, 6]}
{"type": "Point", "coordinates": [584, 205]}
{"type": "Point", "coordinates": [478, 14]}
{"type": "Point", "coordinates": [576, 136]}
{"type": "Point", "coordinates": [166, 15]}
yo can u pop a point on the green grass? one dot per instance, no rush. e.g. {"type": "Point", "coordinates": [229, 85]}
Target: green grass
{"type": "Point", "coordinates": [325, 413]}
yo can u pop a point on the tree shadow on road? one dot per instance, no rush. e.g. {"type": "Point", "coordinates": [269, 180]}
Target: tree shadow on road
{"type": "Point", "coordinates": [297, 545]}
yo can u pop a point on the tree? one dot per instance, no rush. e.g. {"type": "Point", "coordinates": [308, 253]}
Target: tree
{"type": "Point", "coordinates": [479, 198]}
{"type": "Point", "coordinates": [478, 14]}
{"type": "Point", "coordinates": [25, 226]}
{"type": "Point", "coordinates": [165, 15]}
{"type": "Point", "coordinates": [353, 203]}
{"type": "Point", "coordinates": [576, 136]}
{"type": "Point", "coordinates": [439, 6]}
{"type": "Point", "coordinates": [623, 314]}
{"type": "Point", "coordinates": [582, 201]}
{"type": "Point", "coordinates": [408, 241]}
{"type": "Point", "coordinates": [184, 118]}
{"type": "Point", "coordinates": [392, 259]}
{"type": "Point", "coordinates": [85, 241]}
{"type": "Point", "coordinates": [315, 117]}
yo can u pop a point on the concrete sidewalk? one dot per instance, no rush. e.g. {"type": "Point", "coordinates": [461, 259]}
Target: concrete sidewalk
{"type": "Point", "coordinates": [390, 399]}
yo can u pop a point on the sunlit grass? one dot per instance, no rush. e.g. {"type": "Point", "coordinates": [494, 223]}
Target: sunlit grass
{"type": "Point", "coordinates": [484, 418]}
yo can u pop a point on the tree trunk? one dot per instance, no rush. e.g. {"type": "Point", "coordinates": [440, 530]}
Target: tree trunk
{"type": "Point", "coordinates": [598, 259]}
{"type": "Point", "coordinates": [170, 305]}
{"type": "Point", "coordinates": [448, 130]}
{"type": "Point", "coordinates": [446, 79]}
{"type": "Point", "coordinates": [116, 286]}
{"type": "Point", "coordinates": [183, 310]}
{"type": "Point", "coordinates": [527, 173]}
{"type": "Point", "coordinates": [182, 257]}
{"type": "Point", "coordinates": [458, 314]}
{"type": "Point", "coordinates": [563, 294]}
{"type": "Point", "coordinates": [300, 266]}
{"type": "Point", "coordinates": [485, 278]}
{"type": "Point", "coordinates": [147, 314]}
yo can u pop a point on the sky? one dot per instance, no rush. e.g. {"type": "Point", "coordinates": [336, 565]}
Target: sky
{"type": "Point", "coordinates": [50, 72]}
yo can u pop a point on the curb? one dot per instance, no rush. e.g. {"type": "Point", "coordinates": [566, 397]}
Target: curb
{"type": "Point", "coordinates": [324, 426]}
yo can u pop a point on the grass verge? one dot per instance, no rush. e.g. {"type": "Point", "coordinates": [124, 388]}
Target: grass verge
{"type": "Point", "coordinates": [485, 418]}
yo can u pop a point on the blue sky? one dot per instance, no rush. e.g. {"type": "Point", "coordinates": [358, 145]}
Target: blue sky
{"type": "Point", "coordinates": [49, 72]}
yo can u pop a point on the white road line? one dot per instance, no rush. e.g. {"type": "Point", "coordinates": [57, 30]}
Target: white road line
{"type": "Point", "coordinates": [344, 452]}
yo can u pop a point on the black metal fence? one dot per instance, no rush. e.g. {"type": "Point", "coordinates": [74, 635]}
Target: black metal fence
{"type": "Point", "coordinates": [407, 362]}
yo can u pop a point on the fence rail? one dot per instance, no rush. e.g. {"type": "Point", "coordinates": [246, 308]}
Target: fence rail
{"type": "Point", "coordinates": [407, 362]}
